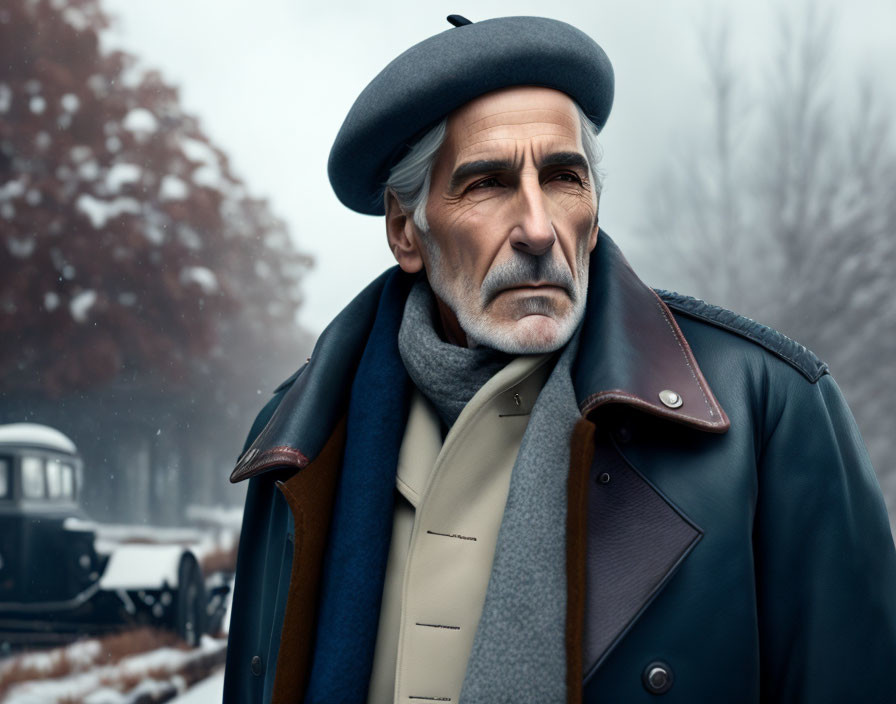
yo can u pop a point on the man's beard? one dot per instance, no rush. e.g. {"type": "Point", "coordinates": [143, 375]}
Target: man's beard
{"type": "Point", "coordinates": [475, 319]}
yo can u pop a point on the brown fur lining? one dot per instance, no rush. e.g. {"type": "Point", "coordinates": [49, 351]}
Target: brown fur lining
{"type": "Point", "coordinates": [309, 493]}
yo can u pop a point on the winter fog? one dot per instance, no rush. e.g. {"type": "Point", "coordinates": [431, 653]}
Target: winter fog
{"type": "Point", "coordinates": [170, 246]}
{"type": "Point", "coordinates": [747, 159]}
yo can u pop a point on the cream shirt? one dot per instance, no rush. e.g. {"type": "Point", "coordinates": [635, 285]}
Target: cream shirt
{"type": "Point", "coordinates": [445, 527]}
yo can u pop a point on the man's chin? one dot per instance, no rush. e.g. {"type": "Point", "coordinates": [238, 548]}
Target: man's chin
{"type": "Point", "coordinates": [531, 334]}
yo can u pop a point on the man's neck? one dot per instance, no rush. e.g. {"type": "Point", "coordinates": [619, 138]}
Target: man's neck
{"type": "Point", "coordinates": [451, 331]}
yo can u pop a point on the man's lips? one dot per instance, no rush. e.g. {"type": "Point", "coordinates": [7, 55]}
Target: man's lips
{"type": "Point", "coordinates": [531, 288]}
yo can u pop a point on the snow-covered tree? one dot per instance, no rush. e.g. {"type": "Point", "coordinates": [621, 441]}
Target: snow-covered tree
{"type": "Point", "coordinates": [138, 276]}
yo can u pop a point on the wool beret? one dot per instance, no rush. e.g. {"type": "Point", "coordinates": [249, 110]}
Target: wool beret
{"type": "Point", "coordinates": [431, 79]}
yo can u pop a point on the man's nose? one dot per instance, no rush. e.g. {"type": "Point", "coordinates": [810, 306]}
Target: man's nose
{"type": "Point", "coordinates": [534, 232]}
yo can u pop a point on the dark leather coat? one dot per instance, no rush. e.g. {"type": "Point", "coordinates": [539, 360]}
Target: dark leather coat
{"type": "Point", "coordinates": [740, 540]}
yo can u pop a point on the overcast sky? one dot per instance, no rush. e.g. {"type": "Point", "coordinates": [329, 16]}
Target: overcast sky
{"type": "Point", "coordinates": [271, 82]}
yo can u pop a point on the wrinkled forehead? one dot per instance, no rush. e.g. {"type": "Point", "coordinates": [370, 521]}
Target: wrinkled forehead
{"type": "Point", "coordinates": [503, 118]}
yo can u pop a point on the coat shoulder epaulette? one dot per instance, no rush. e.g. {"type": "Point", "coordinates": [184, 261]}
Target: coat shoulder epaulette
{"type": "Point", "coordinates": [792, 352]}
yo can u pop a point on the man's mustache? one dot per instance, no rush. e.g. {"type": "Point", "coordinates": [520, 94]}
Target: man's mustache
{"type": "Point", "coordinates": [525, 270]}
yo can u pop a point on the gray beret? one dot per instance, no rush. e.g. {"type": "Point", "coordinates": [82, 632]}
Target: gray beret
{"type": "Point", "coordinates": [432, 78]}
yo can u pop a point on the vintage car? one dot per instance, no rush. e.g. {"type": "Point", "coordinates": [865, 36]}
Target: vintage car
{"type": "Point", "coordinates": [63, 575]}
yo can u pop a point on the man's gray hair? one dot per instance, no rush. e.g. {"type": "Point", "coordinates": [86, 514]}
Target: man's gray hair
{"type": "Point", "coordinates": [409, 179]}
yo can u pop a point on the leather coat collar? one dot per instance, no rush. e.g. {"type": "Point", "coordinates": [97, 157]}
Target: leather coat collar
{"type": "Point", "coordinates": [631, 349]}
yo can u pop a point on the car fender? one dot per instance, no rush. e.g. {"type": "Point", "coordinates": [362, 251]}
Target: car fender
{"type": "Point", "coordinates": [142, 566]}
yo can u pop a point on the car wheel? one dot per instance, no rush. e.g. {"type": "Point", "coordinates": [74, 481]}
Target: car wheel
{"type": "Point", "coordinates": [189, 613]}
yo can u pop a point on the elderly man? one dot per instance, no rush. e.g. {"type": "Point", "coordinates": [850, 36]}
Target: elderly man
{"type": "Point", "coordinates": [510, 471]}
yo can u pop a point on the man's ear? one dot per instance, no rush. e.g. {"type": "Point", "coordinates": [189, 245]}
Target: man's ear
{"type": "Point", "coordinates": [403, 236]}
{"type": "Point", "coordinates": [592, 240]}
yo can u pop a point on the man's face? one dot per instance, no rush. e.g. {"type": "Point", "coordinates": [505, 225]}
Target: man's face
{"type": "Point", "coordinates": [513, 220]}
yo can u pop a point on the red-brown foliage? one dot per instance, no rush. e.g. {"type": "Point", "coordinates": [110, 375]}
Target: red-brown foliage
{"type": "Point", "coordinates": [127, 245]}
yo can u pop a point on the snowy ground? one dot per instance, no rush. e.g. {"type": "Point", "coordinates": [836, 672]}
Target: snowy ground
{"type": "Point", "coordinates": [142, 666]}
{"type": "Point", "coordinates": [209, 691]}
{"type": "Point", "coordinates": [158, 675]}
{"type": "Point", "coordinates": [89, 672]}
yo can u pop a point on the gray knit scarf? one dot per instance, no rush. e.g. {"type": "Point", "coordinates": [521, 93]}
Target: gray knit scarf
{"type": "Point", "coordinates": [448, 375]}
{"type": "Point", "coordinates": [519, 652]}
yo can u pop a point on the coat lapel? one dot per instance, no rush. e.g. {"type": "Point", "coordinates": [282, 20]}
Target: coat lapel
{"type": "Point", "coordinates": [636, 540]}
{"type": "Point", "coordinates": [625, 538]}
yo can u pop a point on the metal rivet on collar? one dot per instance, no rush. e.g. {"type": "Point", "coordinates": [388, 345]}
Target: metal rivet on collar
{"type": "Point", "coordinates": [604, 478]}
{"type": "Point", "coordinates": [670, 398]}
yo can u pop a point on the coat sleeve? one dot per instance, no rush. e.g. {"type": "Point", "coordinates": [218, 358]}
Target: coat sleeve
{"type": "Point", "coordinates": [825, 561]}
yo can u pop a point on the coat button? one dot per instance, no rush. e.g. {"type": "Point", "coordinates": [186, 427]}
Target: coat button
{"type": "Point", "coordinates": [657, 677]}
{"type": "Point", "coordinates": [670, 398]}
{"type": "Point", "coordinates": [255, 665]}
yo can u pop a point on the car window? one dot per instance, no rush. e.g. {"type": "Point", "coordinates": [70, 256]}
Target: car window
{"type": "Point", "coordinates": [68, 480]}
{"type": "Point", "coordinates": [4, 477]}
{"type": "Point", "coordinates": [33, 486]}
{"type": "Point", "coordinates": [54, 479]}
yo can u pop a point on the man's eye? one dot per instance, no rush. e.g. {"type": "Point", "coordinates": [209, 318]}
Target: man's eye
{"type": "Point", "coordinates": [569, 176]}
{"type": "Point", "coordinates": [489, 182]}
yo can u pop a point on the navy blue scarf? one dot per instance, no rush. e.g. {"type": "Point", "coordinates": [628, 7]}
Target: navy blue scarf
{"type": "Point", "coordinates": [361, 528]}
